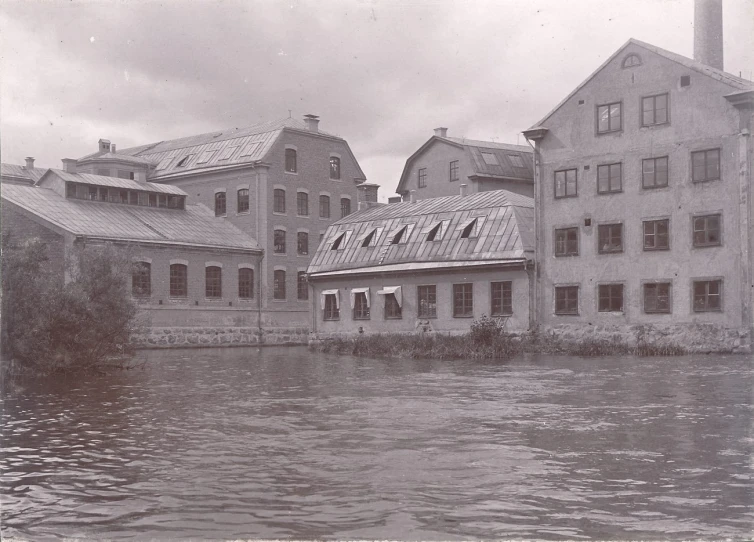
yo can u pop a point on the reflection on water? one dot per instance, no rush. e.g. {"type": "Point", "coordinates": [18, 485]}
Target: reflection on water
{"type": "Point", "coordinates": [283, 443]}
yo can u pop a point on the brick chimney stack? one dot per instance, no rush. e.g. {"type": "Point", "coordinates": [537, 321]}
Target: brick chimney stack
{"type": "Point", "coordinates": [70, 165]}
{"type": "Point", "coordinates": [29, 162]}
{"type": "Point", "coordinates": [441, 132]}
{"type": "Point", "coordinates": [708, 32]}
{"type": "Point", "coordinates": [312, 123]}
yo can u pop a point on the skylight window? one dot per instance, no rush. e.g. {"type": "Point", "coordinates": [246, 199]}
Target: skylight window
{"type": "Point", "coordinates": [184, 160]}
{"type": "Point", "coordinates": [516, 160]}
{"type": "Point", "coordinates": [206, 157]}
{"type": "Point", "coordinates": [470, 230]}
{"type": "Point", "coordinates": [250, 149]}
{"type": "Point", "coordinates": [490, 159]}
{"type": "Point", "coordinates": [227, 153]}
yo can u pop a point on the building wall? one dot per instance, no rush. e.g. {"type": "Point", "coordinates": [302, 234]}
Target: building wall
{"type": "Point", "coordinates": [436, 159]}
{"type": "Point", "coordinates": [700, 118]}
{"type": "Point", "coordinates": [17, 225]}
{"type": "Point", "coordinates": [517, 187]}
{"type": "Point", "coordinates": [410, 322]}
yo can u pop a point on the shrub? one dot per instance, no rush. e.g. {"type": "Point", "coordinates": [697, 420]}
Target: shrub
{"type": "Point", "coordinates": [52, 327]}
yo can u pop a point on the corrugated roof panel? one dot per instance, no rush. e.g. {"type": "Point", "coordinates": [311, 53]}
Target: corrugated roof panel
{"type": "Point", "coordinates": [196, 225]}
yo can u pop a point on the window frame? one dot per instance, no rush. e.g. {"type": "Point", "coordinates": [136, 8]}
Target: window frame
{"type": "Point", "coordinates": [654, 97]}
{"type": "Point", "coordinates": [720, 289]}
{"type": "Point", "coordinates": [600, 249]}
{"type": "Point", "coordinates": [299, 236]}
{"type": "Point", "coordinates": [330, 310]}
{"type": "Point", "coordinates": [335, 168]}
{"type": "Point", "coordinates": [421, 178]}
{"type": "Point", "coordinates": [276, 238]}
{"type": "Point", "coordinates": [242, 201]}
{"type": "Point", "coordinates": [706, 217]}
{"type": "Point", "coordinates": [302, 203]}
{"type": "Point", "coordinates": [390, 311]}
{"type": "Point", "coordinates": [302, 286]}
{"type": "Point", "coordinates": [361, 307]}
{"type": "Point", "coordinates": [245, 284]}
{"type": "Point", "coordinates": [610, 189]}
{"type": "Point", "coordinates": [278, 285]}
{"type": "Point", "coordinates": [141, 281]}
{"type": "Point", "coordinates": [565, 186]}
{"type": "Point", "coordinates": [291, 160]}
{"type": "Point", "coordinates": [324, 198]}
{"type": "Point", "coordinates": [502, 299]}
{"type": "Point", "coordinates": [429, 296]}
{"type": "Point", "coordinates": [213, 285]}
{"type": "Point", "coordinates": [654, 161]}
{"type": "Point", "coordinates": [609, 288]}
{"type": "Point", "coordinates": [453, 171]}
{"type": "Point", "coordinates": [278, 201]}
{"type": "Point", "coordinates": [609, 130]}
{"type": "Point", "coordinates": [654, 222]}
{"type": "Point", "coordinates": [656, 284]}
{"type": "Point", "coordinates": [178, 290]}
{"type": "Point", "coordinates": [566, 289]}
{"type": "Point", "coordinates": [345, 205]}
{"type": "Point", "coordinates": [464, 290]}
{"type": "Point", "coordinates": [705, 152]}
{"type": "Point", "coordinates": [566, 253]}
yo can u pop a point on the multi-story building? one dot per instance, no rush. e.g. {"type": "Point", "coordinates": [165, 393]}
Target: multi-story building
{"type": "Point", "coordinates": [15, 174]}
{"type": "Point", "coordinates": [282, 183]}
{"type": "Point", "coordinates": [430, 265]}
{"type": "Point", "coordinates": [195, 277]}
{"type": "Point", "coordinates": [444, 163]}
{"type": "Point", "coordinates": [644, 202]}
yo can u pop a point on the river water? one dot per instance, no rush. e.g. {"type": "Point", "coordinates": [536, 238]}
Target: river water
{"type": "Point", "coordinates": [284, 443]}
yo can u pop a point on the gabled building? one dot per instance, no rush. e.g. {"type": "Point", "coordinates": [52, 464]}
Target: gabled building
{"type": "Point", "coordinates": [431, 265]}
{"type": "Point", "coordinates": [444, 163]}
{"type": "Point", "coordinates": [196, 277]}
{"type": "Point", "coordinates": [644, 202]}
{"type": "Point", "coordinates": [282, 183]}
{"type": "Point", "coordinates": [26, 175]}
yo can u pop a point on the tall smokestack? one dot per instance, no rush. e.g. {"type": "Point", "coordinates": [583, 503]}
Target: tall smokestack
{"type": "Point", "coordinates": [708, 32]}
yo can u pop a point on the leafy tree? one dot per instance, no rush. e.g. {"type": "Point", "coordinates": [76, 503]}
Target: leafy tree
{"type": "Point", "coordinates": [51, 325]}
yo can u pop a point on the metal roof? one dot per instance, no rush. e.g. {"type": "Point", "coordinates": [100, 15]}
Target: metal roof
{"type": "Point", "coordinates": [214, 150]}
{"type": "Point", "coordinates": [506, 167]}
{"type": "Point", "coordinates": [724, 77]}
{"type": "Point", "coordinates": [110, 156]}
{"type": "Point", "coordinates": [116, 182]}
{"type": "Point", "coordinates": [504, 230]}
{"type": "Point", "coordinates": [21, 172]}
{"type": "Point", "coordinates": [195, 226]}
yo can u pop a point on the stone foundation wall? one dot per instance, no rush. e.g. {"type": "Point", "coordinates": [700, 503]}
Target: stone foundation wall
{"type": "Point", "coordinates": [698, 338]}
{"type": "Point", "coordinates": [187, 337]}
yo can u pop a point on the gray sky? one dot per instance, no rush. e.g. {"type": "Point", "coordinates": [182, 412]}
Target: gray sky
{"type": "Point", "coordinates": [381, 74]}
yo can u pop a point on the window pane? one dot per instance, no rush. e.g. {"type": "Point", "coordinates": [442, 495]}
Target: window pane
{"type": "Point", "coordinates": [278, 288]}
{"type": "Point", "coordinates": [213, 281]}
{"type": "Point", "coordinates": [290, 160]}
{"type": "Point", "coordinates": [303, 243]}
{"type": "Point", "coordinates": [243, 200]}
{"type": "Point", "coordinates": [245, 283]}
{"type": "Point", "coordinates": [334, 167]}
{"type": "Point", "coordinates": [603, 113]}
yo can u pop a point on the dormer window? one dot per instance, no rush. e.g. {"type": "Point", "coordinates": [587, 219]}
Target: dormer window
{"type": "Point", "coordinates": [400, 236]}
{"type": "Point", "coordinates": [341, 241]}
{"type": "Point", "coordinates": [438, 231]}
{"type": "Point", "coordinates": [205, 157]}
{"type": "Point", "coordinates": [631, 60]}
{"type": "Point", "coordinates": [372, 237]}
{"type": "Point", "coordinates": [490, 159]}
{"type": "Point", "coordinates": [516, 160]}
{"type": "Point", "coordinates": [469, 230]}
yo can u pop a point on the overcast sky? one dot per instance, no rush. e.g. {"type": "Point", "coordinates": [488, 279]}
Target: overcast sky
{"type": "Point", "coordinates": [381, 74]}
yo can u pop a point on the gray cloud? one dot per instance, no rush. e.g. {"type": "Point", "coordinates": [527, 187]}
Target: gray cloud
{"type": "Point", "coordinates": [382, 74]}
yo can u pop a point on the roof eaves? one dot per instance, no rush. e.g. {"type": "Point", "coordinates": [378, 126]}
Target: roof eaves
{"type": "Point", "coordinates": [235, 248]}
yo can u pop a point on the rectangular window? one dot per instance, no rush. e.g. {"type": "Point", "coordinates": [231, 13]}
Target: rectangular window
{"type": "Point", "coordinates": [92, 195]}
{"type": "Point", "coordinates": [565, 183]}
{"type": "Point", "coordinates": [345, 207]}
{"type": "Point", "coordinates": [303, 286]}
{"type": "Point", "coordinates": [324, 206]}
{"type": "Point", "coordinates": [278, 285]}
{"type": "Point", "coordinates": [360, 306]}
{"type": "Point", "coordinates": [178, 280]}
{"type": "Point", "coordinates": [245, 283]}
{"type": "Point", "coordinates": [302, 243]}
{"type": "Point", "coordinates": [657, 297]}
{"type": "Point", "coordinates": [707, 295]}
{"type": "Point", "coordinates": [610, 298]}
{"type": "Point", "coordinates": [516, 160]}
{"type": "Point", "coordinates": [654, 110]}
{"type": "Point", "coordinates": [213, 281]}
{"type": "Point", "coordinates": [463, 300]}
{"type": "Point", "coordinates": [227, 153]}
{"type": "Point", "coordinates": [278, 201]}
{"type": "Point", "coordinates": [705, 165]}
{"type": "Point", "coordinates": [566, 300]}
{"type": "Point", "coordinates": [502, 298]}
{"type": "Point", "coordinates": [609, 178]}
{"type": "Point", "coordinates": [302, 204]}
{"type": "Point", "coordinates": [567, 242]}
{"type": "Point", "coordinates": [335, 168]}
{"type": "Point", "coordinates": [243, 200]}
{"type": "Point", "coordinates": [422, 173]}
{"type": "Point", "coordinates": [654, 172]}
{"type": "Point", "coordinates": [220, 204]}
{"type": "Point", "coordinates": [332, 311]}
{"type": "Point", "coordinates": [141, 279]}
{"type": "Point", "coordinates": [427, 301]}
{"type": "Point", "coordinates": [610, 238]}
{"type": "Point", "coordinates": [392, 308]}
{"type": "Point", "coordinates": [490, 159]}
{"type": "Point", "coordinates": [291, 165]}
{"type": "Point", "coordinates": [279, 241]}
{"type": "Point", "coordinates": [657, 234]}
{"type": "Point", "coordinates": [707, 231]}
{"type": "Point", "coordinates": [454, 170]}
{"type": "Point", "coordinates": [609, 118]}
{"type": "Point", "coordinates": [205, 157]}
{"type": "Point", "coordinates": [70, 190]}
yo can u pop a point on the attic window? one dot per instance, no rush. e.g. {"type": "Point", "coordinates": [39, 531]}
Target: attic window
{"type": "Point", "coordinates": [184, 160]}
{"type": "Point", "coordinates": [206, 157]}
{"type": "Point", "coordinates": [164, 163]}
{"type": "Point", "coordinates": [400, 237]}
{"type": "Point", "coordinates": [227, 153]}
{"type": "Point", "coordinates": [341, 241]}
{"type": "Point", "coordinates": [437, 232]}
{"type": "Point", "coordinates": [371, 239]}
{"type": "Point", "coordinates": [469, 230]}
{"type": "Point", "coordinates": [516, 160]}
{"type": "Point", "coordinates": [685, 80]}
{"type": "Point", "coordinates": [490, 159]}
{"type": "Point", "coordinates": [250, 149]}
{"type": "Point", "coordinates": [631, 61]}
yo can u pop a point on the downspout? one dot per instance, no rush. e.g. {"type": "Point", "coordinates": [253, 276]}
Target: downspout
{"type": "Point", "coordinates": [535, 314]}
{"type": "Point", "coordinates": [259, 299]}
